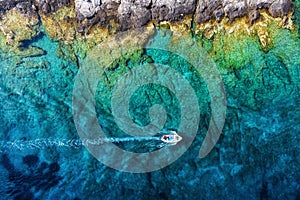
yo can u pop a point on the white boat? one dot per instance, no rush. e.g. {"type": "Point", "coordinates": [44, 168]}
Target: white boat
{"type": "Point", "coordinates": [173, 138]}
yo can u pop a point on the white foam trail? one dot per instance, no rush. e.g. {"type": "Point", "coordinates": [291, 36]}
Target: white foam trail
{"type": "Point", "coordinates": [40, 143]}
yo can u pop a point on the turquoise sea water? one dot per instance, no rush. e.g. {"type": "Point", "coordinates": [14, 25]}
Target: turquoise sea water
{"type": "Point", "coordinates": [257, 156]}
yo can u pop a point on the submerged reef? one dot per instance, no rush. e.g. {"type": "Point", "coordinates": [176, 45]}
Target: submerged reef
{"type": "Point", "coordinates": [256, 48]}
{"type": "Point", "coordinates": [32, 178]}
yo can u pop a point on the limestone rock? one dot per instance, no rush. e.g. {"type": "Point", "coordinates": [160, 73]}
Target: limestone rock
{"type": "Point", "coordinates": [50, 6]}
{"type": "Point", "coordinates": [234, 8]}
{"type": "Point", "coordinates": [259, 4]}
{"type": "Point", "coordinates": [280, 8]}
{"type": "Point", "coordinates": [172, 10]}
{"type": "Point", "coordinates": [206, 8]}
{"type": "Point", "coordinates": [253, 16]}
{"type": "Point", "coordinates": [122, 15]}
{"type": "Point", "coordinates": [26, 7]}
{"type": "Point", "coordinates": [134, 13]}
{"type": "Point", "coordinates": [9, 4]}
{"type": "Point", "coordinates": [216, 9]}
{"type": "Point", "coordinates": [87, 8]}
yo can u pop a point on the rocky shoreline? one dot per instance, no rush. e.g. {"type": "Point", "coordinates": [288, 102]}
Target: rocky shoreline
{"type": "Point", "coordinates": [137, 13]}
{"type": "Point", "coordinates": [80, 25]}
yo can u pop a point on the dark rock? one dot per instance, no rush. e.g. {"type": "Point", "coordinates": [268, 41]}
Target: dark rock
{"type": "Point", "coordinates": [30, 160]}
{"type": "Point", "coordinates": [183, 8]}
{"type": "Point", "coordinates": [235, 8]}
{"type": "Point", "coordinates": [80, 17]}
{"type": "Point", "coordinates": [206, 8]}
{"type": "Point", "coordinates": [264, 191]}
{"type": "Point", "coordinates": [136, 13]}
{"type": "Point", "coordinates": [133, 14]}
{"type": "Point", "coordinates": [80, 29]}
{"type": "Point", "coordinates": [21, 185]}
{"type": "Point", "coordinates": [280, 8]}
{"type": "Point", "coordinates": [50, 6]}
{"type": "Point", "coordinates": [259, 4]}
{"type": "Point", "coordinates": [216, 9]}
{"type": "Point", "coordinates": [108, 11]}
{"type": "Point", "coordinates": [160, 13]}
{"type": "Point", "coordinates": [253, 16]}
{"type": "Point", "coordinates": [25, 7]}
{"type": "Point", "coordinates": [54, 167]}
{"type": "Point", "coordinates": [46, 8]}
{"type": "Point", "coordinates": [172, 10]}
{"type": "Point", "coordinates": [219, 14]}
{"type": "Point", "coordinates": [128, 14]}
{"type": "Point", "coordinates": [9, 4]}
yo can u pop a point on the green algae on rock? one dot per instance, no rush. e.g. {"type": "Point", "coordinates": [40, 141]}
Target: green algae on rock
{"type": "Point", "coordinates": [17, 28]}
{"type": "Point", "coordinates": [235, 44]}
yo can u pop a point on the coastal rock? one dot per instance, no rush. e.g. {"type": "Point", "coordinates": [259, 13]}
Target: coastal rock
{"type": "Point", "coordinates": [9, 4]}
{"type": "Point", "coordinates": [126, 14]}
{"type": "Point", "coordinates": [87, 8]}
{"type": "Point", "coordinates": [134, 14]}
{"type": "Point", "coordinates": [216, 9]}
{"type": "Point", "coordinates": [172, 10]}
{"type": "Point", "coordinates": [26, 7]}
{"type": "Point", "coordinates": [253, 16]}
{"type": "Point", "coordinates": [280, 8]}
{"type": "Point", "coordinates": [122, 15]}
{"type": "Point", "coordinates": [106, 14]}
{"type": "Point", "coordinates": [50, 6]}
{"type": "Point", "coordinates": [206, 8]}
{"type": "Point", "coordinates": [234, 8]}
{"type": "Point", "coordinates": [259, 4]}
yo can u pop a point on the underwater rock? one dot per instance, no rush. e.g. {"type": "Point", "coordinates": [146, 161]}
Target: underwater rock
{"type": "Point", "coordinates": [31, 51]}
{"type": "Point", "coordinates": [25, 185]}
{"type": "Point", "coordinates": [30, 160]}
